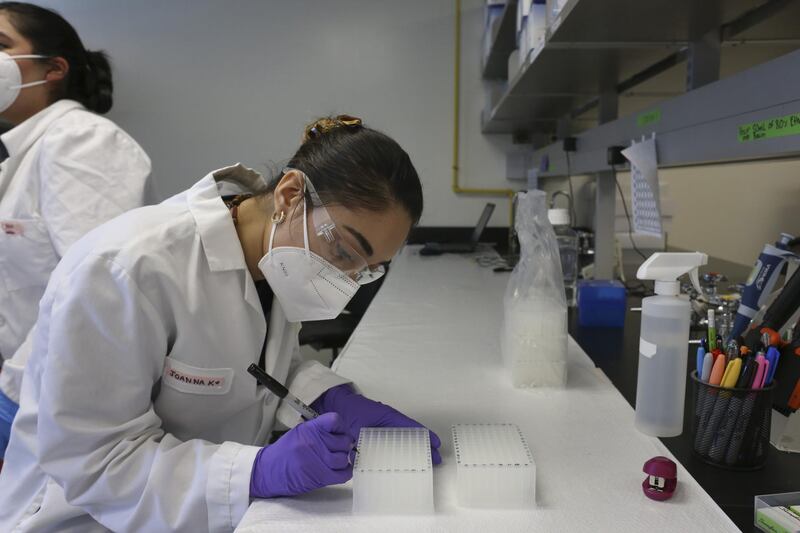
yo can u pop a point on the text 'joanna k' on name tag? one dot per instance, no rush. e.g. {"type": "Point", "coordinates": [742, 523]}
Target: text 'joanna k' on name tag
{"type": "Point", "coordinates": [196, 380]}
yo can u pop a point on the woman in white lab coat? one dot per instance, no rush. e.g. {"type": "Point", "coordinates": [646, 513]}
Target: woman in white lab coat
{"type": "Point", "coordinates": [137, 410]}
{"type": "Point", "coordinates": [64, 169]}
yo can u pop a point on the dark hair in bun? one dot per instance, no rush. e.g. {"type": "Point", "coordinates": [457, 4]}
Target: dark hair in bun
{"type": "Point", "coordinates": [356, 166]}
{"type": "Point", "coordinates": [89, 78]}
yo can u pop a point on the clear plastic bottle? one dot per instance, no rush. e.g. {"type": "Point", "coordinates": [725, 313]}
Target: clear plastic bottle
{"type": "Point", "coordinates": [662, 366]}
{"type": "Point", "coordinates": [567, 239]}
{"type": "Point", "coordinates": [663, 343]}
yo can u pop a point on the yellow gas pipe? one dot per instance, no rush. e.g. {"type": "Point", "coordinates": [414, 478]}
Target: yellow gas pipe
{"type": "Point", "coordinates": [509, 193]}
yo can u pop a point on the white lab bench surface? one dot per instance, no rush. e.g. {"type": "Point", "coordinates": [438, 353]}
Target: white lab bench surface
{"type": "Point", "coordinates": [429, 345]}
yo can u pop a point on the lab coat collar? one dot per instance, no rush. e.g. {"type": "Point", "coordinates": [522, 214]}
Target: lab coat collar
{"type": "Point", "coordinates": [214, 223]}
{"type": "Point", "coordinates": [19, 138]}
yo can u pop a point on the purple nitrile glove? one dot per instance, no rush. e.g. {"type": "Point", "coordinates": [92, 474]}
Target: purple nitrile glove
{"type": "Point", "coordinates": [312, 455]}
{"type": "Point", "coordinates": [359, 412]}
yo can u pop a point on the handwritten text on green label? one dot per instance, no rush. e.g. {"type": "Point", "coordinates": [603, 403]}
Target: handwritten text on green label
{"type": "Point", "coordinates": [773, 127]}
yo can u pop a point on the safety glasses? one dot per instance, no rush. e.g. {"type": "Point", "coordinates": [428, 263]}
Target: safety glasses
{"type": "Point", "coordinates": [332, 246]}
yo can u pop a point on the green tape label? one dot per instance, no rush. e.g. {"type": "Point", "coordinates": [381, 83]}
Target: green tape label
{"type": "Point", "coordinates": [770, 128]}
{"type": "Point", "coordinates": [649, 118]}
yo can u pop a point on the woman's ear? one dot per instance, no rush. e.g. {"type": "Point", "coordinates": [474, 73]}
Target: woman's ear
{"type": "Point", "coordinates": [57, 69]}
{"type": "Point", "coordinates": [289, 192]}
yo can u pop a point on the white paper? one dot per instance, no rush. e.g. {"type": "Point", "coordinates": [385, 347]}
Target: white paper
{"type": "Point", "coordinates": [644, 187]}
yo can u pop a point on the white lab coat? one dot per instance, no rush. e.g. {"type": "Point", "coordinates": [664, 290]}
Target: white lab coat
{"type": "Point", "coordinates": [68, 171]}
{"type": "Point", "coordinates": [137, 410]}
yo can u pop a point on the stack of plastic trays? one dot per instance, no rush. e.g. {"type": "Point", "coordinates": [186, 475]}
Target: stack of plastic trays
{"type": "Point", "coordinates": [495, 467]}
{"type": "Point", "coordinates": [393, 473]}
{"type": "Point", "coordinates": [534, 343]}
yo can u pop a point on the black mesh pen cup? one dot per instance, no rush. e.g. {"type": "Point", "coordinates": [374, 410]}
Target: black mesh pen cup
{"type": "Point", "coordinates": [730, 427]}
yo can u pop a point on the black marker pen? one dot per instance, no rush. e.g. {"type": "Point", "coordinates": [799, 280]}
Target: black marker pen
{"type": "Point", "coordinates": [282, 392]}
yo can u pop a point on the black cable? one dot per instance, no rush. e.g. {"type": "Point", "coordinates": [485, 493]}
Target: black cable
{"type": "Point", "coordinates": [573, 216]}
{"type": "Point", "coordinates": [639, 289]}
{"type": "Point", "coordinates": [627, 215]}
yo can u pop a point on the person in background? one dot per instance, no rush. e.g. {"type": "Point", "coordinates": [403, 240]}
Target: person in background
{"type": "Point", "coordinates": [138, 412]}
{"type": "Point", "coordinates": [64, 169]}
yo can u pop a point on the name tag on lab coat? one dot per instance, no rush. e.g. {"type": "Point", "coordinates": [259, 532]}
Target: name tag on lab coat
{"type": "Point", "coordinates": [12, 228]}
{"type": "Point", "coordinates": [196, 380]}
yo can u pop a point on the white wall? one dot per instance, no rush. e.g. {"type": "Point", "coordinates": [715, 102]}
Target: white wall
{"type": "Point", "coordinates": [730, 211]}
{"type": "Point", "coordinates": [727, 211]}
{"type": "Point", "coordinates": [204, 83]}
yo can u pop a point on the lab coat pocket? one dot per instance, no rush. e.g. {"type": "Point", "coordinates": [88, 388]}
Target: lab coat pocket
{"type": "Point", "coordinates": [27, 256]}
{"type": "Point", "coordinates": [196, 380]}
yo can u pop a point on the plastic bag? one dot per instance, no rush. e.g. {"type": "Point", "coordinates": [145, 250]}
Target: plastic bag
{"type": "Point", "coordinates": [534, 334]}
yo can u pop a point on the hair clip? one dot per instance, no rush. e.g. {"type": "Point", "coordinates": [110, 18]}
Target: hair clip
{"type": "Point", "coordinates": [349, 121]}
{"type": "Point", "coordinates": [328, 124]}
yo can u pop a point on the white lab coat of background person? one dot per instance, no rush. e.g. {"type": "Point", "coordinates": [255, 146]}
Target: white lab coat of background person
{"type": "Point", "coordinates": [68, 171]}
{"type": "Point", "coordinates": [109, 433]}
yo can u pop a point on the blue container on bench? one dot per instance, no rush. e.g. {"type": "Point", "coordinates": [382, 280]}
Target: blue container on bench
{"type": "Point", "coordinates": [601, 303]}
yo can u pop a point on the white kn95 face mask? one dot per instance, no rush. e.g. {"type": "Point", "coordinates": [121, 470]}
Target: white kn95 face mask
{"type": "Point", "coordinates": [11, 78]}
{"type": "Point", "coordinates": [307, 286]}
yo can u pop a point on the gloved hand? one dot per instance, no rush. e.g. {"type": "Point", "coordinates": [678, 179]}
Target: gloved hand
{"type": "Point", "coordinates": [8, 409]}
{"type": "Point", "coordinates": [312, 455]}
{"type": "Point", "coordinates": [358, 411]}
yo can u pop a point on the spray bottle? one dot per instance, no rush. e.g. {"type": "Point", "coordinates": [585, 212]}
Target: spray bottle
{"type": "Point", "coordinates": [663, 343]}
{"type": "Point", "coordinates": [759, 285]}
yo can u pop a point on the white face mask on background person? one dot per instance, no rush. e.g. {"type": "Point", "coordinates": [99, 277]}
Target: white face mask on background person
{"type": "Point", "coordinates": [307, 286]}
{"type": "Point", "coordinates": [11, 78]}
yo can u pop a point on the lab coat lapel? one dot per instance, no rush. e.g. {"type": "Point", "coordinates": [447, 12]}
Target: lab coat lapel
{"type": "Point", "coordinates": [215, 225]}
{"type": "Point", "coordinates": [251, 294]}
{"type": "Point", "coordinates": [19, 140]}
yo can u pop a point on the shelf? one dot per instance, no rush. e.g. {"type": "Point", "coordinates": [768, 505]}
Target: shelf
{"type": "Point", "coordinates": [701, 126]}
{"type": "Point", "coordinates": [591, 45]}
{"type": "Point", "coordinates": [495, 65]}
{"type": "Point", "coordinates": [535, 103]}
{"type": "Point", "coordinates": [623, 21]}
{"type": "Point", "coordinates": [611, 46]}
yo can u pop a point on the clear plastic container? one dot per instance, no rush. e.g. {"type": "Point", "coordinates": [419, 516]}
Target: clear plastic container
{"type": "Point", "coordinates": [661, 385]}
{"type": "Point", "coordinates": [778, 512]}
{"type": "Point", "coordinates": [533, 338]}
{"type": "Point", "coordinates": [393, 472]}
{"type": "Point", "coordinates": [554, 8]}
{"type": "Point", "coordinates": [494, 466]}
{"type": "Point", "coordinates": [567, 239]}
{"type": "Point", "coordinates": [535, 343]}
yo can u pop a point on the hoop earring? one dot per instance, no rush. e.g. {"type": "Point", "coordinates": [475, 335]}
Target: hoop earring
{"type": "Point", "coordinates": [278, 218]}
